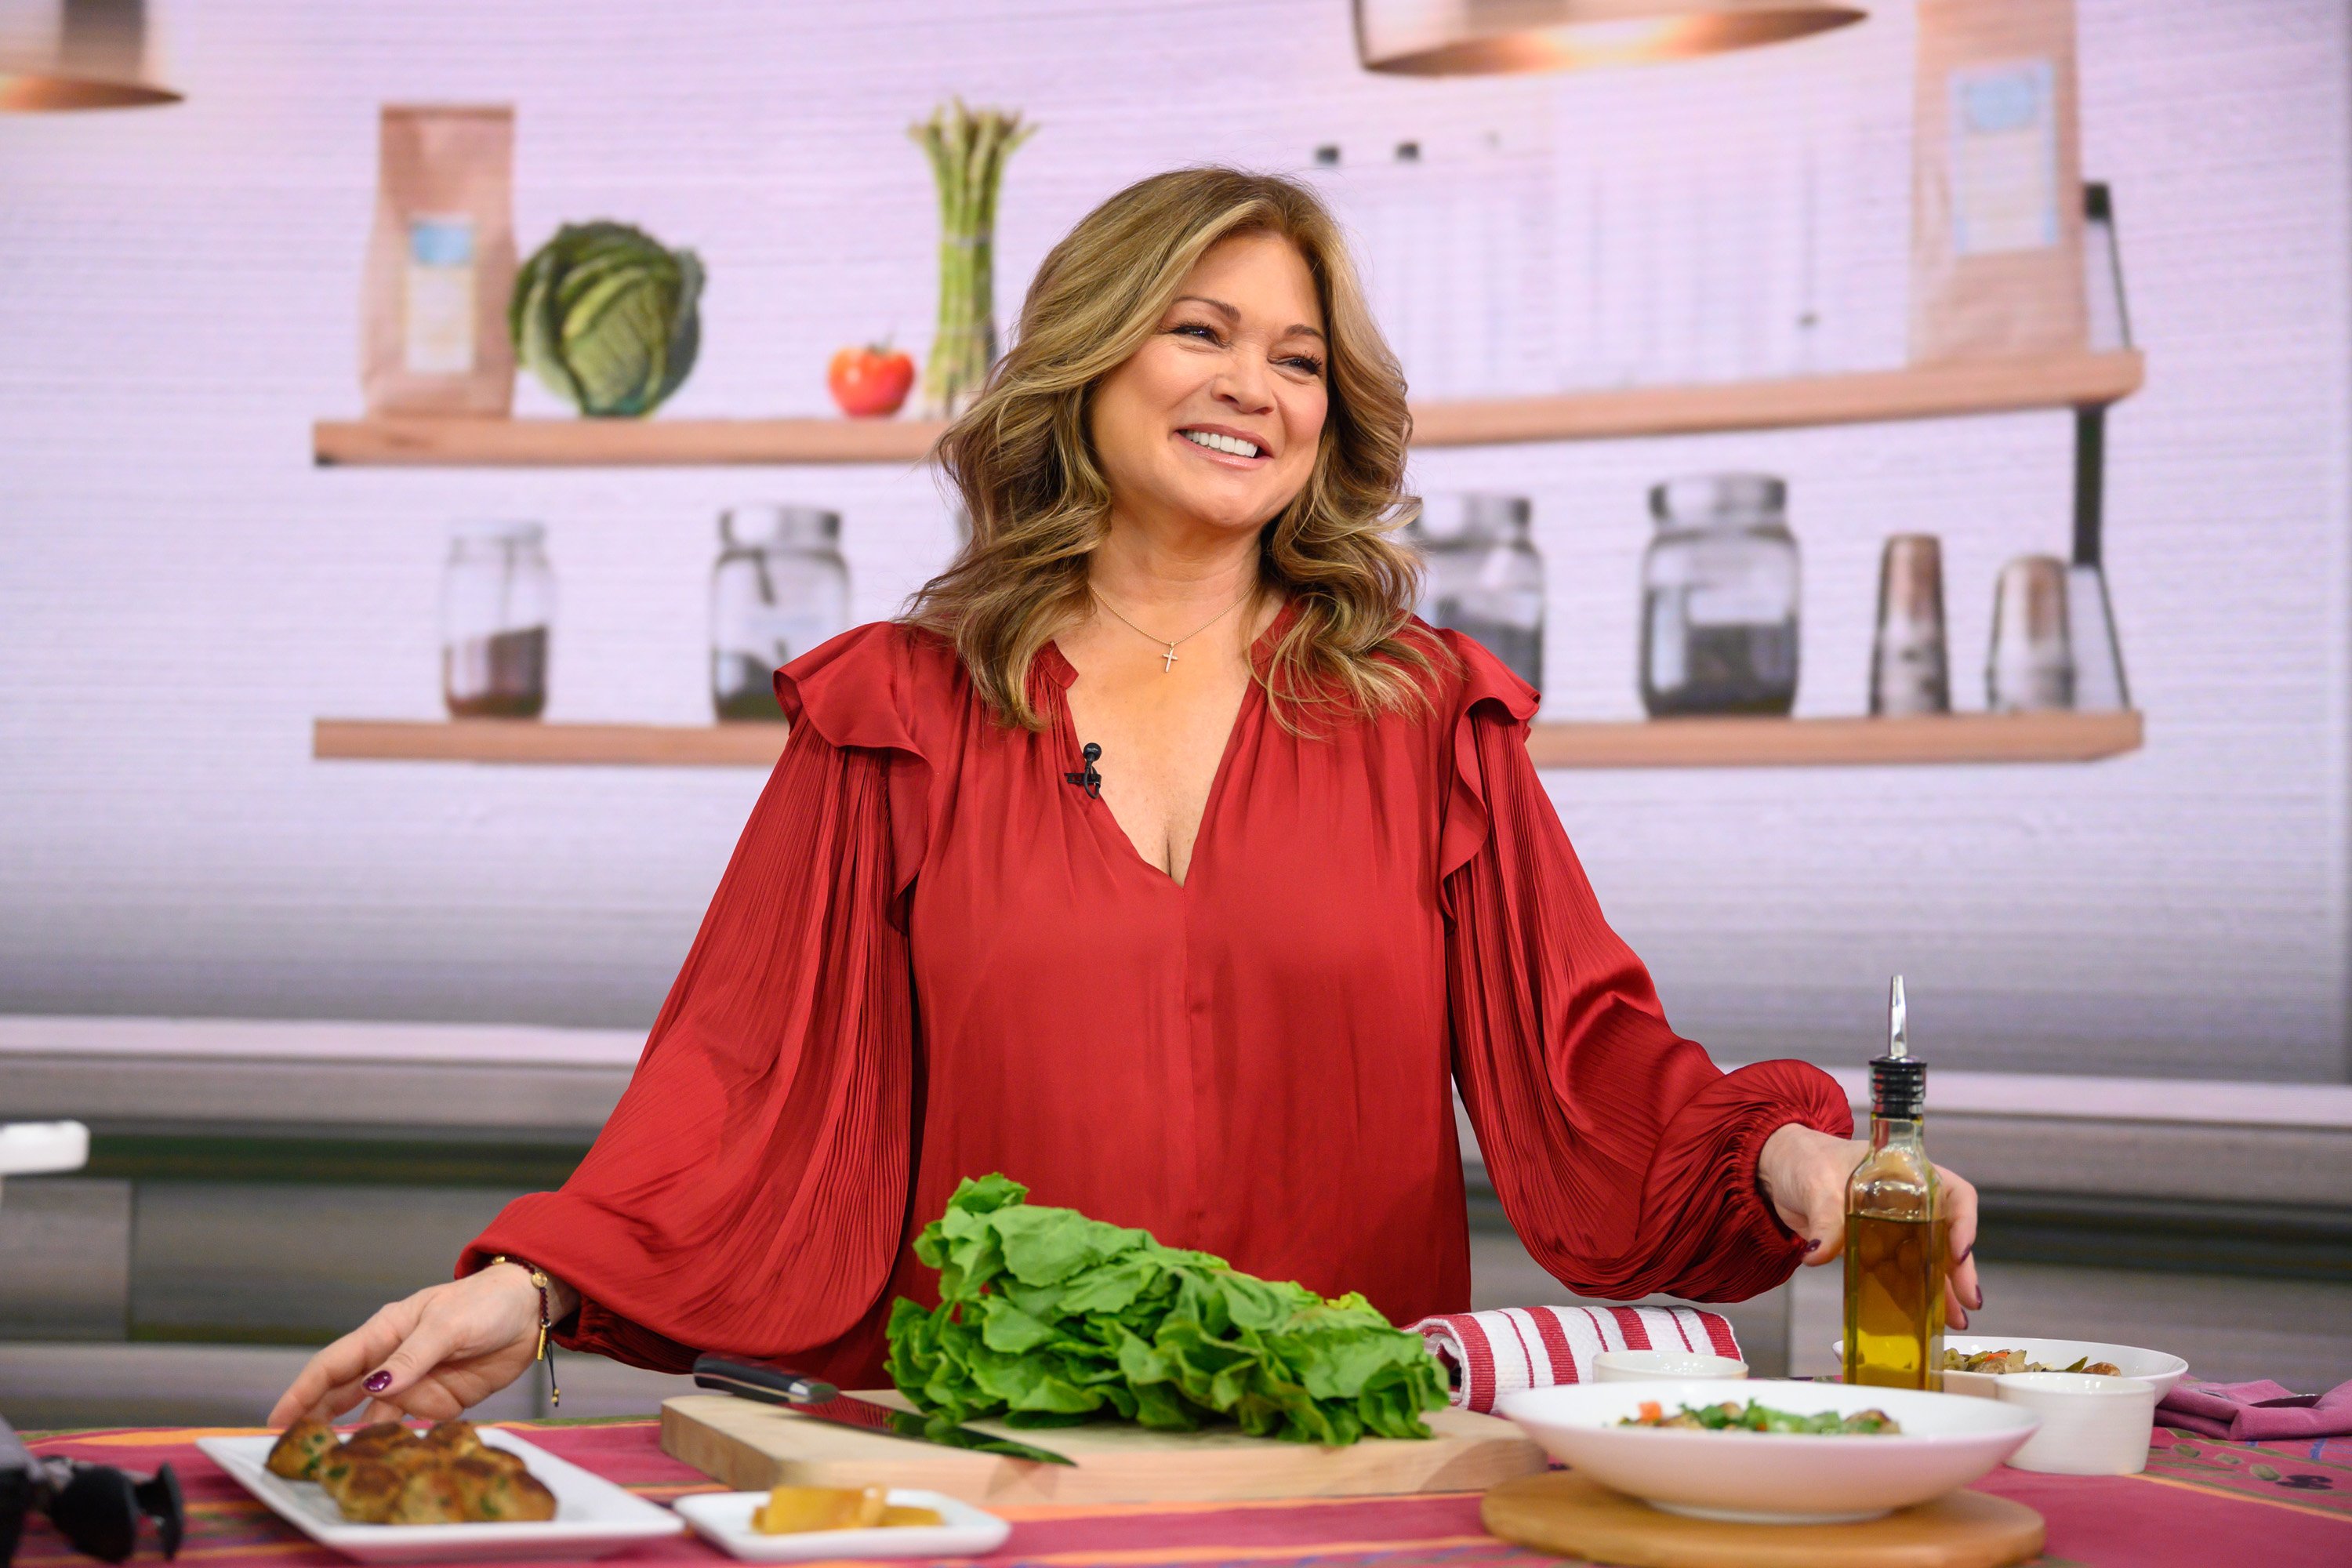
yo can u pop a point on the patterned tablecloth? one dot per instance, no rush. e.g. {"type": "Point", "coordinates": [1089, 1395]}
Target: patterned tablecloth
{"type": "Point", "coordinates": [2202, 1502]}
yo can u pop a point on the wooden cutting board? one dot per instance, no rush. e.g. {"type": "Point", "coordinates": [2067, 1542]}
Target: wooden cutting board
{"type": "Point", "coordinates": [749, 1445]}
{"type": "Point", "coordinates": [1565, 1513]}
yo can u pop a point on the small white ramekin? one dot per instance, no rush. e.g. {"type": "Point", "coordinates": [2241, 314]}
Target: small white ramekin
{"type": "Point", "coordinates": [1649, 1366]}
{"type": "Point", "coordinates": [2091, 1425]}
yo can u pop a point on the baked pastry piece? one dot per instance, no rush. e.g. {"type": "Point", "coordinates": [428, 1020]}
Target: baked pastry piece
{"type": "Point", "coordinates": [367, 1490]}
{"type": "Point", "coordinates": [411, 1457]}
{"type": "Point", "coordinates": [333, 1469]}
{"type": "Point", "coordinates": [369, 1441]}
{"type": "Point", "coordinates": [500, 1459]}
{"type": "Point", "coordinates": [427, 1496]}
{"type": "Point", "coordinates": [387, 1474]}
{"type": "Point", "coordinates": [454, 1439]}
{"type": "Point", "coordinates": [498, 1493]}
{"type": "Point", "coordinates": [298, 1450]}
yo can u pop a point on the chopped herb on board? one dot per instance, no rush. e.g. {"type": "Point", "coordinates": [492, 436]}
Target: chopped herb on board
{"type": "Point", "coordinates": [1048, 1319]}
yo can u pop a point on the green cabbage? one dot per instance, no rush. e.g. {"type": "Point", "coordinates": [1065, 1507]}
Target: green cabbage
{"type": "Point", "coordinates": [605, 316]}
{"type": "Point", "coordinates": [1047, 1319]}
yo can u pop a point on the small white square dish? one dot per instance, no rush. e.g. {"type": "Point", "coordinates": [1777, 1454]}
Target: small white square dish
{"type": "Point", "coordinates": [724, 1519]}
{"type": "Point", "coordinates": [593, 1517]}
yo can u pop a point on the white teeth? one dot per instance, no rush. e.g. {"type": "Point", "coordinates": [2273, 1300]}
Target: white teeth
{"type": "Point", "coordinates": [1216, 443]}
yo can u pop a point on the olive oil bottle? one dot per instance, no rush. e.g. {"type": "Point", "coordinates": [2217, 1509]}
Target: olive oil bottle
{"type": "Point", "coordinates": [1896, 1233]}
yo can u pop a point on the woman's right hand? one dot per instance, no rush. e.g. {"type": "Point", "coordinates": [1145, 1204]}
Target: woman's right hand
{"type": "Point", "coordinates": [434, 1354]}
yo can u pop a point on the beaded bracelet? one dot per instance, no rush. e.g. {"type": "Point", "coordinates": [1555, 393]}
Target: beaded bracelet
{"type": "Point", "coordinates": [545, 1351]}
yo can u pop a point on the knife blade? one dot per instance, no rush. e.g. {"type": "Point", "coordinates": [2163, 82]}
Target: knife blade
{"type": "Point", "coordinates": [821, 1401]}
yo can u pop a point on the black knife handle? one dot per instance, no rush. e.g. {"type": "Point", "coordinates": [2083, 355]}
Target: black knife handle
{"type": "Point", "coordinates": [758, 1380]}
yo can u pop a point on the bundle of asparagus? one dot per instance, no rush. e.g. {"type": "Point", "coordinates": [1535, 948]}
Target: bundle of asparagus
{"type": "Point", "coordinates": [967, 149]}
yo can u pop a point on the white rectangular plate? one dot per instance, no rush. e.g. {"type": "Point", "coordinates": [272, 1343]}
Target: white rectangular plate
{"type": "Point", "coordinates": [724, 1519]}
{"type": "Point", "coordinates": [593, 1516]}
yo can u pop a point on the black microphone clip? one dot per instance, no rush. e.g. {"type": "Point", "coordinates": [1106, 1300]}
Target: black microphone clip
{"type": "Point", "coordinates": [1087, 776]}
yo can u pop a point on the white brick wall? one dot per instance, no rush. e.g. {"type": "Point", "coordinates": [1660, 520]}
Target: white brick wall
{"type": "Point", "coordinates": [180, 592]}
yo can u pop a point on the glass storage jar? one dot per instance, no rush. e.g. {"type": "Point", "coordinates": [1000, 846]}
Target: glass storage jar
{"type": "Point", "coordinates": [1720, 599]}
{"type": "Point", "coordinates": [780, 588]}
{"type": "Point", "coordinates": [498, 602]}
{"type": "Point", "coordinates": [1482, 576]}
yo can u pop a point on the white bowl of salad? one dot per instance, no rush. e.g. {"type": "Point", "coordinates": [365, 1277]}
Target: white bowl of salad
{"type": "Point", "coordinates": [1972, 1362]}
{"type": "Point", "coordinates": [1770, 1451]}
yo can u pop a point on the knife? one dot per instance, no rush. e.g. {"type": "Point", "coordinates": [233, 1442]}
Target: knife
{"type": "Point", "coordinates": [821, 1401]}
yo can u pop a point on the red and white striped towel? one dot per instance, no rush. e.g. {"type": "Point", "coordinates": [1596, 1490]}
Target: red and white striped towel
{"type": "Point", "coordinates": [1495, 1354]}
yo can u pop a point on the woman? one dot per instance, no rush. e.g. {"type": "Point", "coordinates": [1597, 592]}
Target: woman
{"type": "Point", "coordinates": [1219, 984]}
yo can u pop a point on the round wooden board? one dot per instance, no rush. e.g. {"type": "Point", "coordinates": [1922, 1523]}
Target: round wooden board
{"type": "Point", "coordinates": [1560, 1511]}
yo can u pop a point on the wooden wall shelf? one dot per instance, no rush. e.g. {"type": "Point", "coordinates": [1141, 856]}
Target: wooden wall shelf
{"type": "Point", "coordinates": [618, 443]}
{"type": "Point", "coordinates": [2067, 381]}
{"type": "Point", "coordinates": [1630, 743]}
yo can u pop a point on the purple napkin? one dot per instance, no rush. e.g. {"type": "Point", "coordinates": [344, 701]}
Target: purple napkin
{"type": "Point", "coordinates": [2256, 1412]}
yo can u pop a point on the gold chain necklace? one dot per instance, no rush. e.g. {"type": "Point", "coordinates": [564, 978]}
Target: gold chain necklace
{"type": "Point", "coordinates": [1168, 660]}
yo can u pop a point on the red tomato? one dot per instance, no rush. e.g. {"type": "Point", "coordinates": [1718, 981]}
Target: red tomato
{"type": "Point", "coordinates": [870, 382]}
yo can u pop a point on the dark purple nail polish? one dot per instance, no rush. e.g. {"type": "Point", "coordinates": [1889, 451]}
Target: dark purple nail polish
{"type": "Point", "coordinates": [1814, 1245]}
{"type": "Point", "coordinates": [377, 1382]}
{"type": "Point", "coordinates": [1964, 1319]}
{"type": "Point", "coordinates": [1971, 1252]}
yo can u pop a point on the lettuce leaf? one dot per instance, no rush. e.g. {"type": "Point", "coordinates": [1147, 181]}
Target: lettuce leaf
{"type": "Point", "coordinates": [1047, 1318]}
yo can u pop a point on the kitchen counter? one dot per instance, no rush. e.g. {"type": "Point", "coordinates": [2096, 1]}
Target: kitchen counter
{"type": "Point", "coordinates": [300, 1075]}
{"type": "Point", "coordinates": [182, 1071]}
{"type": "Point", "coordinates": [345, 1162]}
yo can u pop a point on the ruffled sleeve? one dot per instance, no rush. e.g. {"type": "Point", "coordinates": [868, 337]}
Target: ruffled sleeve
{"type": "Point", "coordinates": [1624, 1158]}
{"type": "Point", "coordinates": [750, 1191]}
{"type": "Point", "coordinates": [862, 690]}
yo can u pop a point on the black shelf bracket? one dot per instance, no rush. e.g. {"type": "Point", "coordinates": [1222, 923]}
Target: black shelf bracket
{"type": "Point", "coordinates": [2090, 482]}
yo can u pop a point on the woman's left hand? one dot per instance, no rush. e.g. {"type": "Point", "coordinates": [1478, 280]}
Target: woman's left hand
{"type": "Point", "coordinates": [1804, 1174]}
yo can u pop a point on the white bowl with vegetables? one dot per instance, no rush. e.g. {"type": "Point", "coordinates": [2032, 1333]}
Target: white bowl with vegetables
{"type": "Point", "coordinates": [1972, 1364]}
{"type": "Point", "coordinates": [1827, 1453]}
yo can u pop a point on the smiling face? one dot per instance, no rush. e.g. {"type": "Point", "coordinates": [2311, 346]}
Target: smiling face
{"type": "Point", "coordinates": [1215, 420]}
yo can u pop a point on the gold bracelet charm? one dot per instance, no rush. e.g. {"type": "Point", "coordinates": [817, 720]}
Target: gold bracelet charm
{"type": "Point", "coordinates": [542, 1351]}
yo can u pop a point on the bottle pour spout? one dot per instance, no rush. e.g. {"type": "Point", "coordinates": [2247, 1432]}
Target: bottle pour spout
{"type": "Point", "coordinates": [1898, 1080]}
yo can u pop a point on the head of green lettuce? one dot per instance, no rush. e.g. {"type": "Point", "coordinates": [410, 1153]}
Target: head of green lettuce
{"type": "Point", "coordinates": [1047, 1318]}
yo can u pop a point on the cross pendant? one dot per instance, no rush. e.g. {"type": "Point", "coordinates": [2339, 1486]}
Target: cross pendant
{"type": "Point", "coordinates": [1168, 660]}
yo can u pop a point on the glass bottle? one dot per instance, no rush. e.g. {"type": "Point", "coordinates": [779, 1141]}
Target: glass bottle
{"type": "Point", "coordinates": [1720, 599]}
{"type": "Point", "coordinates": [1909, 673]}
{"type": "Point", "coordinates": [1482, 576]}
{"type": "Point", "coordinates": [779, 589]}
{"type": "Point", "coordinates": [1897, 1237]}
{"type": "Point", "coordinates": [497, 601]}
{"type": "Point", "coordinates": [2030, 665]}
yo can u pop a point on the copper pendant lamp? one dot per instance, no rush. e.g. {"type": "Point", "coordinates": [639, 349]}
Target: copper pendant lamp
{"type": "Point", "coordinates": [1497, 37]}
{"type": "Point", "coordinates": [75, 54]}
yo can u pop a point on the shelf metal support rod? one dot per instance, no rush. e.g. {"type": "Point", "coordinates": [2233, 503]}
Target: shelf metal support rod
{"type": "Point", "coordinates": [2090, 482]}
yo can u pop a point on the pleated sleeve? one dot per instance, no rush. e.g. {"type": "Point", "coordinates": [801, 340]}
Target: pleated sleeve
{"type": "Point", "coordinates": [1625, 1160]}
{"type": "Point", "coordinates": [749, 1193]}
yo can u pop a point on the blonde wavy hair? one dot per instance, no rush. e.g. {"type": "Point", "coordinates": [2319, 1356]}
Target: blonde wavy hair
{"type": "Point", "coordinates": [1038, 503]}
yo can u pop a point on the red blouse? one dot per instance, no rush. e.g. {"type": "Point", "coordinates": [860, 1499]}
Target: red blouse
{"type": "Point", "coordinates": [932, 957]}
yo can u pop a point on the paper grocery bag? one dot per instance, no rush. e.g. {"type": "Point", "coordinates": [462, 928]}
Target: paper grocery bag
{"type": "Point", "coordinates": [1997, 201]}
{"type": "Point", "coordinates": [440, 263]}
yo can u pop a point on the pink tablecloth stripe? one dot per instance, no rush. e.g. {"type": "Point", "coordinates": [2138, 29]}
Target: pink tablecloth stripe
{"type": "Point", "coordinates": [2203, 1505]}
